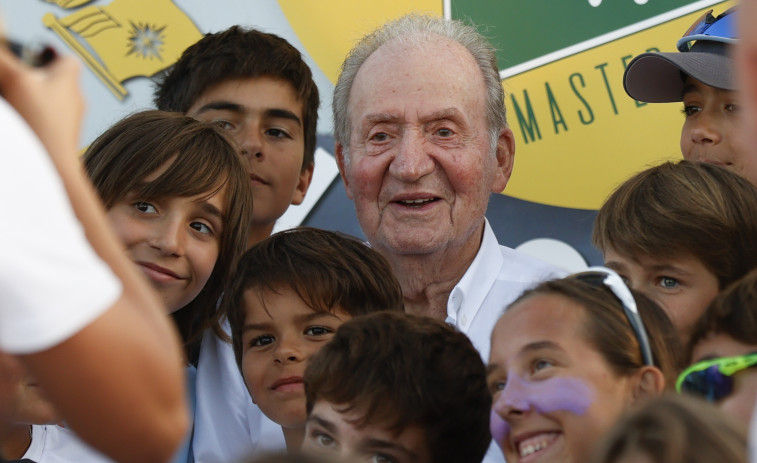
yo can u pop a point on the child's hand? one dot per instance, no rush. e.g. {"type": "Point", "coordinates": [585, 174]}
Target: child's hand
{"type": "Point", "coordinates": [48, 98]}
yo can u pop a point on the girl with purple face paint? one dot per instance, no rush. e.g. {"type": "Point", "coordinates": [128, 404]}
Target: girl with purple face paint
{"type": "Point", "coordinates": [565, 363]}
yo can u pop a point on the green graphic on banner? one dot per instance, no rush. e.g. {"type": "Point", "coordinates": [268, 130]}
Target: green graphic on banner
{"type": "Point", "coordinates": [578, 134]}
{"type": "Point", "coordinates": [525, 29]}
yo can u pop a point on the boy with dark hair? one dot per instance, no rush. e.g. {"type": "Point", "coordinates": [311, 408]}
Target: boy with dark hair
{"type": "Point", "coordinates": [288, 296]}
{"type": "Point", "coordinates": [398, 387]}
{"type": "Point", "coordinates": [723, 351]}
{"type": "Point", "coordinates": [680, 233]}
{"type": "Point", "coordinates": [257, 86]}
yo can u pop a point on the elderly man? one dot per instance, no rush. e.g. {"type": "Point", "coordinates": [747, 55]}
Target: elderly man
{"type": "Point", "coordinates": [421, 142]}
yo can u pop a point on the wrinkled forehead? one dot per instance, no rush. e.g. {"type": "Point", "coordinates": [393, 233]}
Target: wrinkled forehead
{"type": "Point", "coordinates": [434, 61]}
{"type": "Point", "coordinates": [411, 83]}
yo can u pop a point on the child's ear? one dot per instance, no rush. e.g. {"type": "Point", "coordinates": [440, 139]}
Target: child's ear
{"type": "Point", "coordinates": [648, 382]}
{"type": "Point", "coordinates": [303, 184]}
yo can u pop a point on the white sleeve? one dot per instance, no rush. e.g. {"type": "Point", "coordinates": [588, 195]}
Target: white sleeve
{"type": "Point", "coordinates": [52, 283]}
{"type": "Point", "coordinates": [228, 425]}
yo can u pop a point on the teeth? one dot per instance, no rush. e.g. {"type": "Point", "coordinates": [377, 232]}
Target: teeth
{"type": "Point", "coordinates": [416, 201]}
{"type": "Point", "coordinates": [535, 444]}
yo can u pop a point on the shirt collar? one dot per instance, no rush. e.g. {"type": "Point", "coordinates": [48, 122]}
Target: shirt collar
{"type": "Point", "coordinates": [469, 293]}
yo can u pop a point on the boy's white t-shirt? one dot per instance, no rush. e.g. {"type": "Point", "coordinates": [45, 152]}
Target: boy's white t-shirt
{"type": "Point", "coordinates": [52, 283]}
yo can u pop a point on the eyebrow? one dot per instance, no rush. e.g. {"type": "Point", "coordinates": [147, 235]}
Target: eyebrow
{"type": "Point", "coordinates": [210, 209]}
{"type": "Point", "coordinates": [446, 113]}
{"type": "Point", "coordinates": [670, 268]}
{"type": "Point", "coordinates": [328, 425]}
{"type": "Point", "coordinates": [298, 319]}
{"type": "Point", "coordinates": [689, 88]}
{"type": "Point", "coordinates": [382, 117]}
{"type": "Point", "coordinates": [540, 345]}
{"type": "Point", "coordinates": [617, 266]}
{"type": "Point", "coordinates": [276, 113]}
{"type": "Point", "coordinates": [272, 113]}
{"type": "Point", "coordinates": [372, 443]}
{"type": "Point", "coordinates": [221, 106]}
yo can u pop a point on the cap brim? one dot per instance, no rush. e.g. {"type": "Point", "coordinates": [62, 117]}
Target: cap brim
{"type": "Point", "coordinates": [656, 77]}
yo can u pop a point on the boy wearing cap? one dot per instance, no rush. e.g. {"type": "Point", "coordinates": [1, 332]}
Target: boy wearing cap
{"type": "Point", "coordinates": [701, 75]}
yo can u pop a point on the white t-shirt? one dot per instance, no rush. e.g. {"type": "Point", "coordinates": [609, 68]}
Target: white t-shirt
{"type": "Point", "coordinates": [52, 283]}
{"type": "Point", "coordinates": [228, 426]}
{"type": "Point", "coordinates": [53, 444]}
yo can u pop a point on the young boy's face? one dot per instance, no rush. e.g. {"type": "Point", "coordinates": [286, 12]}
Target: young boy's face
{"type": "Point", "coordinates": [330, 432]}
{"type": "Point", "coordinates": [711, 129]}
{"type": "Point", "coordinates": [683, 287]}
{"type": "Point", "coordinates": [264, 117]}
{"type": "Point", "coordinates": [277, 341]}
{"type": "Point", "coordinates": [740, 402]}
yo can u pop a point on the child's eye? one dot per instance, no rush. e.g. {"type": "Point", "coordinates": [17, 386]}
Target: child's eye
{"type": "Point", "coordinates": [262, 340]}
{"type": "Point", "coordinates": [668, 282]}
{"type": "Point", "coordinates": [225, 125]}
{"type": "Point", "coordinates": [733, 108]}
{"type": "Point", "coordinates": [201, 227]}
{"type": "Point", "coordinates": [147, 208]}
{"type": "Point", "coordinates": [541, 364]}
{"type": "Point", "coordinates": [317, 331]}
{"type": "Point", "coordinates": [324, 440]}
{"type": "Point", "coordinates": [690, 110]}
{"type": "Point", "coordinates": [277, 133]}
{"type": "Point", "coordinates": [381, 458]}
{"type": "Point", "coordinates": [497, 386]}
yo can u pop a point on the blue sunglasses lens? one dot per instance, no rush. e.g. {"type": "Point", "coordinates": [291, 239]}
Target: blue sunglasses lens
{"type": "Point", "coordinates": [709, 384]}
{"type": "Point", "coordinates": [722, 27]}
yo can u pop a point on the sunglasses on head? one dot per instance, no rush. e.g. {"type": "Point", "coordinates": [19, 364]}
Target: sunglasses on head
{"type": "Point", "coordinates": [713, 379]}
{"type": "Point", "coordinates": [602, 276]}
{"type": "Point", "coordinates": [721, 28]}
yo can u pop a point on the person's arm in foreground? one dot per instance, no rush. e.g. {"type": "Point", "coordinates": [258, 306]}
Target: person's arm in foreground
{"type": "Point", "coordinates": [119, 382]}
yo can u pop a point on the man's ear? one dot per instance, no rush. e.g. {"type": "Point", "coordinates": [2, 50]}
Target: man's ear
{"type": "Point", "coordinates": [303, 183]}
{"type": "Point", "coordinates": [505, 159]}
{"type": "Point", "coordinates": [648, 382]}
{"type": "Point", "coordinates": [340, 153]}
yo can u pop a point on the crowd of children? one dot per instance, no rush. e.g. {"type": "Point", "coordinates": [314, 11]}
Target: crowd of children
{"type": "Point", "coordinates": [298, 342]}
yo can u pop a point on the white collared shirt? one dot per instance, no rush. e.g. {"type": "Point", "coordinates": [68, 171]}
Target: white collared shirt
{"type": "Point", "coordinates": [495, 278]}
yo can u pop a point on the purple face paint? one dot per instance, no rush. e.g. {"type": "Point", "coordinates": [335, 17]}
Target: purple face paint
{"type": "Point", "coordinates": [550, 395]}
{"type": "Point", "coordinates": [499, 428]}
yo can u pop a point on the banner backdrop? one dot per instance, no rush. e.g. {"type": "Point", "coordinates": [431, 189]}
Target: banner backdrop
{"type": "Point", "coordinates": [578, 135]}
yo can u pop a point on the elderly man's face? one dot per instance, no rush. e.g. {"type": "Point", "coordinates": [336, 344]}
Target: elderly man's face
{"type": "Point", "coordinates": [421, 165]}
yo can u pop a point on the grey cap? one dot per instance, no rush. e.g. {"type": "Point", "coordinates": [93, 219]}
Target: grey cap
{"type": "Point", "coordinates": [659, 77]}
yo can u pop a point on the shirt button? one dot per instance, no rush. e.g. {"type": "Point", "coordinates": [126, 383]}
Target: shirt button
{"type": "Point", "coordinates": [464, 320]}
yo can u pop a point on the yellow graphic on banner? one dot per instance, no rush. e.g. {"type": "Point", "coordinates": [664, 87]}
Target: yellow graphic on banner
{"type": "Point", "coordinates": [126, 38]}
{"type": "Point", "coordinates": [68, 4]}
{"type": "Point", "coordinates": [329, 28]}
{"type": "Point", "coordinates": [578, 134]}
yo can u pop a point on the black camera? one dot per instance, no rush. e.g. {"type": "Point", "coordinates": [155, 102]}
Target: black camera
{"type": "Point", "coordinates": [33, 54]}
